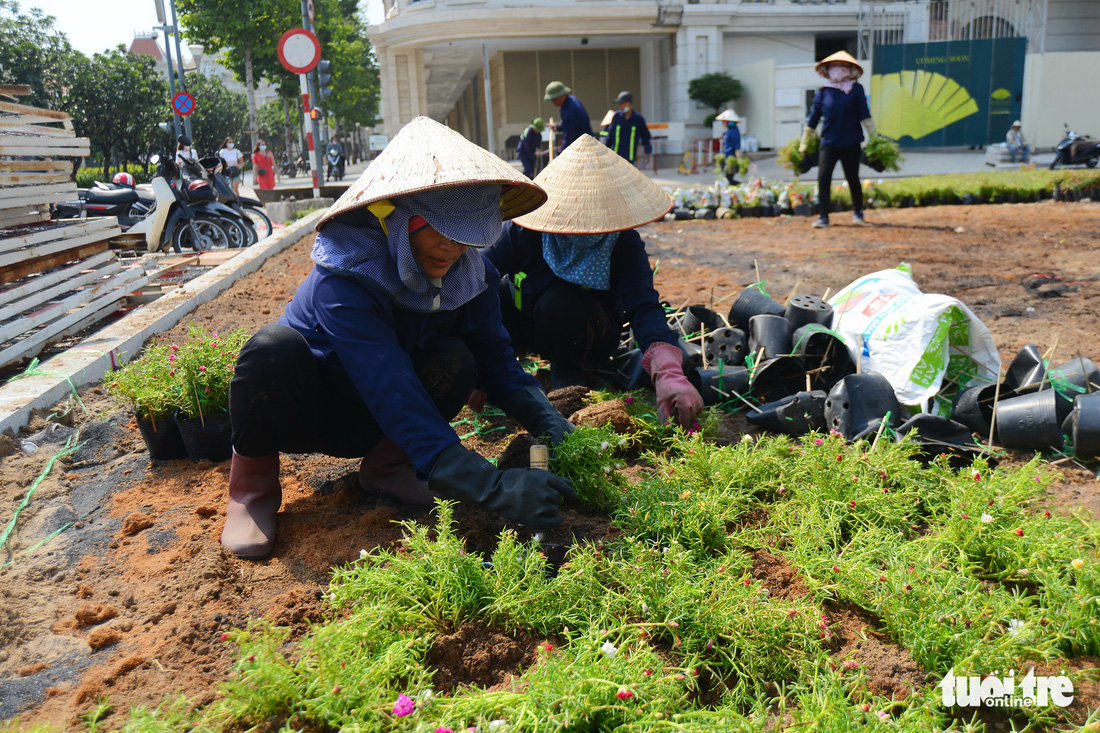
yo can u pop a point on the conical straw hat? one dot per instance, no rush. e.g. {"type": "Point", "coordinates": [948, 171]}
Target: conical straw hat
{"type": "Point", "coordinates": [728, 115]}
{"type": "Point", "coordinates": [593, 190]}
{"type": "Point", "coordinates": [426, 155]}
{"type": "Point", "coordinates": [839, 56]}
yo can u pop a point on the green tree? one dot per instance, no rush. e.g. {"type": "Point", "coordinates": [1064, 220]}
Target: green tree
{"type": "Point", "coordinates": [218, 113]}
{"type": "Point", "coordinates": [355, 86]}
{"type": "Point", "coordinates": [248, 33]}
{"type": "Point", "coordinates": [715, 90]}
{"type": "Point", "coordinates": [116, 100]}
{"type": "Point", "coordinates": [33, 52]}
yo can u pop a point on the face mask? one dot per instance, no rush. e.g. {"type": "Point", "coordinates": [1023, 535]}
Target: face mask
{"type": "Point", "coordinates": [626, 108]}
{"type": "Point", "coordinates": [229, 145]}
{"type": "Point", "coordinates": [263, 147]}
{"type": "Point", "coordinates": [186, 149]}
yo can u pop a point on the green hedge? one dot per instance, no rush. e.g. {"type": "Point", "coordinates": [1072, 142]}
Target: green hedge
{"type": "Point", "coordinates": [86, 177]}
{"type": "Point", "coordinates": [982, 187]}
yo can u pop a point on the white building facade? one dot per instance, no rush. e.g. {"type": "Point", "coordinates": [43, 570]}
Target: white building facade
{"type": "Point", "coordinates": [435, 55]}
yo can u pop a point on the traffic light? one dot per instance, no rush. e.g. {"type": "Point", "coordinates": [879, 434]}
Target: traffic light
{"type": "Point", "coordinates": [315, 113]}
{"type": "Point", "coordinates": [324, 79]}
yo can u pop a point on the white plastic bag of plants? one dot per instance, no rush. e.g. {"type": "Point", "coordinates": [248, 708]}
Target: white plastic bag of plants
{"type": "Point", "coordinates": [920, 342]}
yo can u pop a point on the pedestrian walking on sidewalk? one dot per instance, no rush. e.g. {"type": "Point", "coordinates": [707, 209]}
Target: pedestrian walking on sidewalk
{"type": "Point", "coordinates": [841, 107]}
{"type": "Point", "coordinates": [232, 159]}
{"type": "Point", "coordinates": [263, 164]}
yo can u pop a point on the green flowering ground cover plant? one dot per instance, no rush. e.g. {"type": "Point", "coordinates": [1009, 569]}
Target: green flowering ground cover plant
{"type": "Point", "coordinates": [670, 624]}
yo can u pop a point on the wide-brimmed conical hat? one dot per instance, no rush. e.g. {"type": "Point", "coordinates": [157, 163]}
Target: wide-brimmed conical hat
{"type": "Point", "coordinates": [728, 115]}
{"type": "Point", "coordinates": [593, 190]}
{"type": "Point", "coordinates": [839, 56]}
{"type": "Point", "coordinates": [426, 155]}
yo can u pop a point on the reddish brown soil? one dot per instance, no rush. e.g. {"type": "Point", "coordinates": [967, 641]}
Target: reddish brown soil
{"type": "Point", "coordinates": [130, 600]}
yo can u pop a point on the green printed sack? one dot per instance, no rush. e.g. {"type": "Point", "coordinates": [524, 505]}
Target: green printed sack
{"type": "Point", "coordinates": [928, 346]}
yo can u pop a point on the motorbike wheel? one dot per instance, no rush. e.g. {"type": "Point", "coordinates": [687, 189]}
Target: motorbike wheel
{"type": "Point", "coordinates": [200, 234]}
{"type": "Point", "coordinates": [260, 222]}
{"type": "Point", "coordinates": [1091, 162]}
{"type": "Point", "coordinates": [1057, 159]}
{"type": "Point", "coordinates": [241, 234]}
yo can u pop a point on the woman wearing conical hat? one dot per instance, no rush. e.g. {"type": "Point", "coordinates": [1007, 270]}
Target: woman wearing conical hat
{"type": "Point", "coordinates": [575, 272]}
{"type": "Point", "coordinates": [385, 340]}
{"type": "Point", "coordinates": [840, 106]}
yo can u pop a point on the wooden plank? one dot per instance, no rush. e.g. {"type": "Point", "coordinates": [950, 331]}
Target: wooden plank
{"type": "Point", "coordinates": [22, 109]}
{"type": "Point", "coordinates": [213, 259]}
{"type": "Point", "coordinates": [16, 192]}
{"type": "Point", "coordinates": [19, 124]}
{"type": "Point", "coordinates": [60, 312]}
{"type": "Point", "coordinates": [34, 284]}
{"type": "Point", "coordinates": [15, 90]}
{"type": "Point", "coordinates": [34, 345]}
{"type": "Point", "coordinates": [59, 165]}
{"type": "Point", "coordinates": [48, 248]}
{"type": "Point", "coordinates": [48, 262]}
{"type": "Point", "coordinates": [44, 200]}
{"type": "Point", "coordinates": [32, 178]}
{"type": "Point", "coordinates": [28, 215]}
{"type": "Point", "coordinates": [50, 285]}
{"type": "Point", "coordinates": [64, 228]}
{"type": "Point", "coordinates": [40, 147]}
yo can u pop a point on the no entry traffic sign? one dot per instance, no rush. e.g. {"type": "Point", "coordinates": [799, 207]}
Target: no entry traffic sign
{"type": "Point", "coordinates": [299, 51]}
{"type": "Point", "coordinates": [183, 103]}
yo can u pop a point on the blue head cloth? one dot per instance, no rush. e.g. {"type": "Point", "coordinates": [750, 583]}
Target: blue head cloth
{"type": "Point", "coordinates": [357, 245]}
{"type": "Point", "coordinates": [582, 259]}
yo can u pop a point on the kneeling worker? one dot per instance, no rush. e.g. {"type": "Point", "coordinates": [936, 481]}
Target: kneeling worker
{"type": "Point", "coordinates": [386, 339]}
{"type": "Point", "coordinates": [575, 272]}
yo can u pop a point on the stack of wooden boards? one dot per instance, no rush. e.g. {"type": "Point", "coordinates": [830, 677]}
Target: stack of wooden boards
{"type": "Point", "coordinates": [56, 277]}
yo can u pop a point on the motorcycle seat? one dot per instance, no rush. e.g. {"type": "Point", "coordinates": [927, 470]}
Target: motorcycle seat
{"type": "Point", "coordinates": [117, 197]}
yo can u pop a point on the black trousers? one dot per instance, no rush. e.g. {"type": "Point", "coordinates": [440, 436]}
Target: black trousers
{"type": "Point", "coordinates": [849, 161]}
{"type": "Point", "coordinates": [567, 325]}
{"type": "Point", "coordinates": [282, 399]}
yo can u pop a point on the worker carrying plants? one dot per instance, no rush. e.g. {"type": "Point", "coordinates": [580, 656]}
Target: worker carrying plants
{"type": "Point", "coordinates": [386, 339]}
{"type": "Point", "coordinates": [575, 272]}
{"type": "Point", "coordinates": [627, 130]}
{"type": "Point", "coordinates": [574, 118]}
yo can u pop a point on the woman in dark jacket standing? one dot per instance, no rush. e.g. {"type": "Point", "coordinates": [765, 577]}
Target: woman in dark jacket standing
{"type": "Point", "coordinates": [386, 339]}
{"type": "Point", "coordinates": [577, 272]}
{"type": "Point", "coordinates": [840, 106]}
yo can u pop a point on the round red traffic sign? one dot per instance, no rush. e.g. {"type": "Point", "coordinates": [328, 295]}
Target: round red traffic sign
{"type": "Point", "coordinates": [183, 103]}
{"type": "Point", "coordinates": [311, 12]}
{"type": "Point", "coordinates": [299, 51]}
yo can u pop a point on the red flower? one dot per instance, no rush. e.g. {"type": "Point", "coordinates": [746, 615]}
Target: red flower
{"type": "Point", "coordinates": [882, 578]}
{"type": "Point", "coordinates": [547, 647]}
{"type": "Point", "coordinates": [836, 568]}
{"type": "Point", "coordinates": [852, 503]}
{"type": "Point", "coordinates": [624, 694]}
{"type": "Point", "coordinates": [1019, 532]}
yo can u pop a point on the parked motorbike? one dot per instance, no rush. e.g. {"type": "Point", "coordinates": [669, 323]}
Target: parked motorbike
{"type": "Point", "coordinates": [1076, 150]}
{"type": "Point", "coordinates": [249, 209]}
{"type": "Point", "coordinates": [290, 169]}
{"type": "Point", "coordinates": [334, 157]}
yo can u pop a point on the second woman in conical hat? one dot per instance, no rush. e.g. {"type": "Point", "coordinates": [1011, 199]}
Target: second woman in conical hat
{"type": "Point", "coordinates": [386, 339]}
{"type": "Point", "coordinates": [575, 271]}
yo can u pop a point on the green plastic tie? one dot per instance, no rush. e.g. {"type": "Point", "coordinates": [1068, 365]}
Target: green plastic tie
{"type": "Point", "coordinates": [65, 450]}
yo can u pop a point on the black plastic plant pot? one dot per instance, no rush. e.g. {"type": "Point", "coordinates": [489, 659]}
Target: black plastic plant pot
{"type": "Point", "coordinates": [707, 213]}
{"type": "Point", "coordinates": [858, 404]}
{"type": "Point", "coordinates": [770, 333]}
{"type": "Point", "coordinates": [823, 356]}
{"type": "Point", "coordinates": [207, 438]}
{"type": "Point", "coordinates": [624, 370]}
{"type": "Point", "coordinates": [1030, 421]}
{"type": "Point", "coordinates": [806, 309]}
{"type": "Point", "coordinates": [795, 414]}
{"type": "Point", "coordinates": [162, 437]}
{"type": "Point", "coordinates": [1026, 371]}
{"type": "Point", "coordinates": [693, 354]}
{"type": "Point", "coordinates": [939, 436]}
{"type": "Point", "coordinates": [973, 408]}
{"type": "Point", "coordinates": [777, 378]}
{"type": "Point", "coordinates": [726, 345]}
{"type": "Point", "coordinates": [720, 385]}
{"type": "Point", "coordinates": [1083, 424]}
{"type": "Point", "coordinates": [803, 210]}
{"type": "Point", "coordinates": [809, 160]}
{"type": "Point", "coordinates": [1077, 376]}
{"type": "Point", "coordinates": [683, 213]}
{"type": "Point", "coordinates": [698, 319]}
{"type": "Point", "coordinates": [751, 302]}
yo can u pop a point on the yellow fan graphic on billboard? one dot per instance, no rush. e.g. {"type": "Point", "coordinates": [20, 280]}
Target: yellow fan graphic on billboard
{"type": "Point", "coordinates": [917, 103]}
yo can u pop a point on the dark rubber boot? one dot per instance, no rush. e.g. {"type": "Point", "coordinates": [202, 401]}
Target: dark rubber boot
{"type": "Point", "coordinates": [387, 470]}
{"type": "Point", "coordinates": [254, 499]}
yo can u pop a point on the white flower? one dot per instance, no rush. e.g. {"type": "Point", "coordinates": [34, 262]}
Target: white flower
{"type": "Point", "coordinates": [498, 726]}
{"type": "Point", "coordinates": [986, 519]}
{"type": "Point", "coordinates": [622, 442]}
{"type": "Point", "coordinates": [645, 609]}
{"type": "Point", "coordinates": [607, 469]}
{"type": "Point", "coordinates": [1015, 626]}
{"type": "Point", "coordinates": [604, 445]}
{"type": "Point", "coordinates": [332, 597]}
{"type": "Point", "coordinates": [609, 650]}
{"type": "Point", "coordinates": [363, 554]}
{"type": "Point", "coordinates": [426, 696]}
{"type": "Point", "coordinates": [746, 438]}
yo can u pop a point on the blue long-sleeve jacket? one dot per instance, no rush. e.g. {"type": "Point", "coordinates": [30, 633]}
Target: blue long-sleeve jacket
{"type": "Point", "coordinates": [840, 114]}
{"type": "Point", "coordinates": [631, 293]}
{"type": "Point", "coordinates": [624, 135]}
{"type": "Point", "coordinates": [732, 142]}
{"type": "Point", "coordinates": [574, 121]}
{"type": "Point", "coordinates": [529, 142]}
{"type": "Point", "coordinates": [356, 325]}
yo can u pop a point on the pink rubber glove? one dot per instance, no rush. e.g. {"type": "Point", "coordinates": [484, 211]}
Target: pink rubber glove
{"type": "Point", "coordinates": [676, 398]}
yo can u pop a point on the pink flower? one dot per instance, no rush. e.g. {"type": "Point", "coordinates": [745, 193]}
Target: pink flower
{"type": "Point", "coordinates": [624, 694]}
{"type": "Point", "coordinates": [965, 515]}
{"type": "Point", "coordinates": [441, 729]}
{"type": "Point", "coordinates": [202, 369]}
{"type": "Point", "coordinates": [172, 357]}
{"type": "Point", "coordinates": [818, 441]}
{"type": "Point", "coordinates": [403, 706]}
{"type": "Point", "coordinates": [629, 399]}
{"type": "Point", "coordinates": [175, 348]}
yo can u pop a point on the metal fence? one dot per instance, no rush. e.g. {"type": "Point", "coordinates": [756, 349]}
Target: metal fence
{"type": "Point", "coordinates": [882, 22]}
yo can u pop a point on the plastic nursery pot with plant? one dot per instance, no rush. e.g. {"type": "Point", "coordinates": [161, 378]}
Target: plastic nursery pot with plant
{"type": "Point", "coordinates": [796, 161]}
{"type": "Point", "coordinates": [881, 154]}
{"type": "Point", "coordinates": [205, 364]}
{"type": "Point", "coordinates": [151, 386]}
